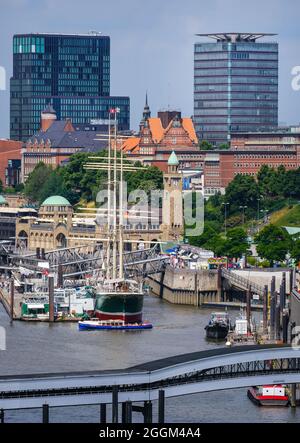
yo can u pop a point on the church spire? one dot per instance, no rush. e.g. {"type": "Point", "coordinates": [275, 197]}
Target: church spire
{"type": "Point", "coordinates": [146, 112]}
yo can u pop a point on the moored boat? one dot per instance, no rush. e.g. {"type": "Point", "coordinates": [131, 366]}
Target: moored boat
{"type": "Point", "coordinates": [112, 324]}
{"type": "Point", "coordinates": [218, 326]}
{"type": "Point", "coordinates": [119, 299]}
{"type": "Point", "coordinates": [269, 395]}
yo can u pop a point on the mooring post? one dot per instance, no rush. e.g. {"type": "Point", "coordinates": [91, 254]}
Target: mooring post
{"type": "Point", "coordinates": [2, 416]}
{"type": "Point", "coordinates": [248, 309]}
{"type": "Point", "coordinates": [291, 280]}
{"type": "Point", "coordinates": [293, 395]}
{"type": "Point", "coordinates": [45, 413]}
{"type": "Point", "coordinates": [219, 284]}
{"type": "Point", "coordinates": [115, 416]}
{"type": "Point", "coordinates": [272, 309]}
{"type": "Point", "coordinates": [148, 411]}
{"type": "Point", "coordinates": [128, 412]}
{"type": "Point", "coordinates": [161, 406]}
{"type": "Point", "coordinates": [60, 277]}
{"type": "Point", "coordinates": [277, 322]}
{"type": "Point", "coordinates": [12, 299]}
{"type": "Point", "coordinates": [102, 413]}
{"type": "Point", "coordinates": [124, 412]}
{"type": "Point", "coordinates": [285, 325]}
{"type": "Point", "coordinates": [161, 282]}
{"type": "Point", "coordinates": [51, 298]}
{"type": "Point", "coordinates": [282, 292]}
{"type": "Point", "coordinates": [265, 310]}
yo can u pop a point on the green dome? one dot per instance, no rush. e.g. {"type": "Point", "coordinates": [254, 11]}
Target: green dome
{"type": "Point", "coordinates": [56, 200]}
{"type": "Point", "coordinates": [2, 200]}
{"type": "Point", "coordinates": [173, 160]}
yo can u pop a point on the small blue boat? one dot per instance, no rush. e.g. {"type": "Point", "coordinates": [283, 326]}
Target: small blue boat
{"type": "Point", "coordinates": [112, 325]}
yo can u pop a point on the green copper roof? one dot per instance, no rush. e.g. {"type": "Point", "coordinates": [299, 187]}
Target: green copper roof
{"type": "Point", "coordinates": [173, 160]}
{"type": "Point", "coordinates": [56, 200]}
{"type": "Point", "coordinates": [2, 200]}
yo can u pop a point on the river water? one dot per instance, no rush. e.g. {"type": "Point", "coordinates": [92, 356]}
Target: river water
{"type": "Point", "coordinates": [40, 347]}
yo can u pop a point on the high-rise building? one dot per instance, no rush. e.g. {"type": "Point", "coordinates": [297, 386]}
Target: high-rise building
{"type": "Point", "coordinates": [69, 72]}
{"type": "Point", "coordinates": [235, 85]}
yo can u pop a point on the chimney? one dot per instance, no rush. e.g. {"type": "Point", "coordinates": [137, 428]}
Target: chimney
{"type": "Point", "coordinates": [48, 116]}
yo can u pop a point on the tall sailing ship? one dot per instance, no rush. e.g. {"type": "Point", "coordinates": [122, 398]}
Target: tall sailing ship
{"type": "Point", "coordinates": [117, 299]}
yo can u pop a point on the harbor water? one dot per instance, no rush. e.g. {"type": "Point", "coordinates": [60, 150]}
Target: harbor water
{"type": "Point", "coordinates": [42, 347]}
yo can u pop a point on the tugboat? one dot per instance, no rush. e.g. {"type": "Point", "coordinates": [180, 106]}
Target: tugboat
{"type": "Point", "coordinates": [218, 326]}
{"type": "Point", "coordinates": [269, 395]}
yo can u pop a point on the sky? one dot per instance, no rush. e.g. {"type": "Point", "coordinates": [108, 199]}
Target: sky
{"type": "Point", "coordinates": [152, 43]}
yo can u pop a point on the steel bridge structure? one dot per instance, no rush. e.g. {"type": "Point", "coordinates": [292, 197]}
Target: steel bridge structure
{"type": "Point", "coordinates": [212, 370]}
{"type": "Point", "coordinates": [81, 260]}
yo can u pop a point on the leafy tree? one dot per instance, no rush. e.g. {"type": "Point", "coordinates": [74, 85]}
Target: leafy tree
{"type": "Point", "coordinates": [295, 250]}
{"type": "Point", "coordinates": [236, 243]}
{"type": "Point", "coordinates": [210, 231]}
{"type": "Point", "coordinates": [224, 146]}
{"type": "Point", "coordinates": [242, 191]}
{"type": "Point", "coordinates": [36, 181]}
{"type": "Point", "coordinates": [205, 146]}
{"type": "Point", "coordinates": [54, 185]}
{"type": "Point", "coordinates": [273, 243]}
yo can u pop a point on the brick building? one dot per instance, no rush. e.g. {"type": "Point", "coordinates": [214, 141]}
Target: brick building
{"type": "Point", "coordinates": [159, 136]}
{"type": "Point", "coordinates": [57, 141]}
{"type": "Point", "coordinates": [248, 153]}
{"type": "Point", "coordinates": [10, 152]}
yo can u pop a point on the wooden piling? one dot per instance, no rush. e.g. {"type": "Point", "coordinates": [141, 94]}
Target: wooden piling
{"type": "Point", "coordinates": [12, 299]}
{"type": "Point", "coordinates": [293, 390]}
{"type": "Point", "coordinates": [102, 413]}
{"type": "Point", "coordinates": [161, 406]}
{"type": "Point", "coordinates": [148, 412]}
{"type": "Point", "coordinates": [60, 276]}
{"type": "Point", "coordinates": [51, 298]}
{"type": "Point", "coordinates": [285, 325]}
{"type": "Point", "coordinates": [265, 310]}
{"type": "Point", "coordinates": [115, 405]}
{"type": "Point", "coordinates": [277, 323]}
{"type": "Point", "coordinates": [248, 309]}
{"type": "Point", "coordinates": [45, 413]}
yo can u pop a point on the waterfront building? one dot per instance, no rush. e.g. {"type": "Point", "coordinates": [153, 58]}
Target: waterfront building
{"type": "Point", "coordinates": [235, 85]}
{"type": "Point", "coordinates": [69, 71]}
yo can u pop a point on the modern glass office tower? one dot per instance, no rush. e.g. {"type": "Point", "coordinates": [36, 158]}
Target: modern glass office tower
{"type": "Point", "coordinates": [235, 85]}
{"type": "Point", "coordinates": [71, 72]}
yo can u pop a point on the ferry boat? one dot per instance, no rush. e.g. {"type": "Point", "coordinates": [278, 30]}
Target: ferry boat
{"type": "Point", "coordinates": [269, 395]}
{"type": "Point", "coordinates": [112, 324]}
{"type": "Point", "coordinates": [218, 326]}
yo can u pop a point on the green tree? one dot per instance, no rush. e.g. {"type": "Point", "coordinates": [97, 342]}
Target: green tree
{"type": "Point", "coordinates": [236, 243]}
{"type": "Point", "coordinates": [273, 243]}
{"type": "Point", "coordinates": [205, 146]}
{"type": "Point", "coordinates": [242, 191]}
{"type": "Point", "coordinates": [295, 250]}
{"type": "Point", "coordinates": [36, 181]}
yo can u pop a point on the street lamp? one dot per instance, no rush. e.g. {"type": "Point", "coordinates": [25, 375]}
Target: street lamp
{"type": "Point", "coordinates": [264, 211]}
{"type": "Point", "coordinates": [258, 209]}
{"type": "Point", "coordinates": [243, 208]}
{"type": "Point", "coordinates": [225, 209]}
